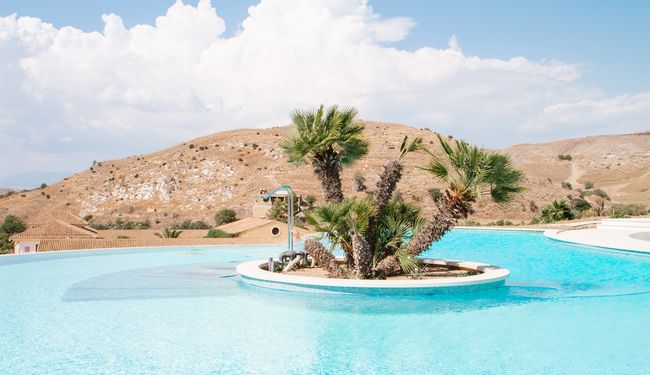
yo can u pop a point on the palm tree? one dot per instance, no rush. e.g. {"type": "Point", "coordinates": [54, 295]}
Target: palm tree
{"type": "Point", "coordinates": [346, 224]}
{"type": "Point", "coordinates": [386, 185]}
{"type": "Point", "coordinates": [169, 233]}
{"type": "Point", "coordinates": [373, 228]}
{"type": "Point", "coordinates": [556, 211]}
{"type": "Point", "coordinates": [329, 140]}
{"type": "Point", "coordinates": [469, 173]}
{"type": "Point", "coordinates": [340, 221]}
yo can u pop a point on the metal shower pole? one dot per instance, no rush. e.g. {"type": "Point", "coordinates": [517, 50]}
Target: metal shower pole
{"type": "Point", "coordinates": [290, 196]}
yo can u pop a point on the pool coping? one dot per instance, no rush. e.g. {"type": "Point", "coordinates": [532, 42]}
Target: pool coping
{"type": "Point", "coordinates": [555, 235]}
{"type": "Point", "coordinates": [491, 274]}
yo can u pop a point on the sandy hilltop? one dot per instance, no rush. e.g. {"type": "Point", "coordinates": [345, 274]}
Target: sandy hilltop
{"type": "Point", "coordinates": [194, 179]}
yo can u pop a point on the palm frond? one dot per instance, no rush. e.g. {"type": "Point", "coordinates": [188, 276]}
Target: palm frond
{"type": "Point", "coordinates": [319, 130]}
{"type": "Point", "coordinates": [340, 220]}
{"type": "Point", "coordinates": [438, 168]}
{"type": "Point", "coordinates": [468, 170]}
{"type": "Point", "coordinates": [408, 147]}
{"type": "Point", "coordinates": [409, 264]}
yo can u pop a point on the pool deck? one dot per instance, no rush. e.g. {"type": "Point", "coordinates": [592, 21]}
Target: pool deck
{"type": "Point", "coordinates": [619, 234]}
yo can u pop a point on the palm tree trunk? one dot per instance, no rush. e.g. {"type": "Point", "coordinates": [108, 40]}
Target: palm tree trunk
{"type": "Point", "coordinates": [328, 171]}
{"type": "Point", "coordinates": [383, 193]}
{"type": "Point", "coordinates": [323, 258]}
{"type": "Point", "coordinates": [362, 257]}
{"type": "Point", "coordinates": [388, 266]}
{"type": "Point", "coordinates": [347, 248]}
{"type": "Point", "coordinates": [450, 211]}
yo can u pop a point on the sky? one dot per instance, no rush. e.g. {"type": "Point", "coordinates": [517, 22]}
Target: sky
{"type": "Point", "coordinates": [97, 79]}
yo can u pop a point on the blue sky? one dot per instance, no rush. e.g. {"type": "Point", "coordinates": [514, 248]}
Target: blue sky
{"type": "Point", "coordinates": [609, 39]}
{"type": "Point", "coordinates": [159, 73]}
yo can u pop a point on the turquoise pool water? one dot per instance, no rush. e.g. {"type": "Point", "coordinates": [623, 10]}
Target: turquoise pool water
{"type": "Point", "coordinates": [565, 310]}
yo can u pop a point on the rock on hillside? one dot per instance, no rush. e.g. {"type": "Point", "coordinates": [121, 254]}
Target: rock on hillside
{"type": "Point", "coordinates": [195, 179]}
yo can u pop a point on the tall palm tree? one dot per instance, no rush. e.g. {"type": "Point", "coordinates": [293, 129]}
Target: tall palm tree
{"type": "Point", "coordinates": [469, 173]}
{"type": "Point", "coordinates": [328, 139]}
{"type": "Point", "coordinates": [386, 185]}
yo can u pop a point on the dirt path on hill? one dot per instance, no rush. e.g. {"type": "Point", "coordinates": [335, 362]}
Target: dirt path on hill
{"type": "Point", "coordinates": [576, 173]}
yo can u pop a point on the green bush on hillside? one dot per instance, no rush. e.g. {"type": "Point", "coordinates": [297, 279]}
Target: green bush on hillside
{"type": "Point", "coordinates": [218, 233]}
{"type": "Point", "coordinates": [627, 210]}
{"type": "Point", "coordinates": [597, 192]}
{"type": "Point", "coordinates": [500, 223]}
{"type": "Point", "coordinates": [120, 224]}
{"type": "Point", "coordinates": [580, 205]}
{"type": "Point", "coordinates": [279, 208]}
{"type": "Point", "coordinates": [311, 201]}
{"type": "Point", "coordinates": [557, 211]}
{"type": "Point", "coordinates": [189, 224]}
{"type": "Point", "coordinates": [225, 216]}
{"type": "Point", "coordinates": [435, 194]}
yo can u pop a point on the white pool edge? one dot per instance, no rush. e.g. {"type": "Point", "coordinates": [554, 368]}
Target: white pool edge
{"type": "Point", "coordinates": [490, 274]}
{"type": "Point", "coordinates": [585, 237]}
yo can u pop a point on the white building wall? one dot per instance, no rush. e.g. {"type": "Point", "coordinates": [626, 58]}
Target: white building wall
{"type": "Point", "coordinates": [24, 247]}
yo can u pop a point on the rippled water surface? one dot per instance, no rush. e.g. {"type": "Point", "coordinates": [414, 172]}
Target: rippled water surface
{"type": "Point", "coordinates": [565, 309]}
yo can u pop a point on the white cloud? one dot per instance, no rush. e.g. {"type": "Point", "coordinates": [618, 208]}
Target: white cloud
{"type": "Point", "coordinates": [68, 97]}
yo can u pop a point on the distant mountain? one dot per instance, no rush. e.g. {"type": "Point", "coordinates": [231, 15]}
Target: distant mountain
{"type": "Point", "coordinates": [31, 179]}
{"type": "Point", "coordinates": [194, 179]}
{"type": "Point", "coordinates": [4, 191]}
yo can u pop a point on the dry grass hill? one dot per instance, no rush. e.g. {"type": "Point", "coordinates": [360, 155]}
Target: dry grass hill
{"type": "Point", "coordinates": [196, 178]}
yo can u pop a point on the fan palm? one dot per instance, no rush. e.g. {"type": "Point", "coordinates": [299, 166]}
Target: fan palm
{"type": "Point", "coordinates": [169, 233]}
{"type": "Point", "coordinates": [340, 221]}
{"type": "Point", "coordinates": [346, 223]}
{"type": "Point", "coordinates": [556, 211]}
{"type": "Point", "coordinates": [469, 173]}
{"type": "Point", "coordinates": [328, 139]}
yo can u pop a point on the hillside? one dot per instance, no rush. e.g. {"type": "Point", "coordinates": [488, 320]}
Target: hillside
{"type": "Point", "coordinates": [195, 179]}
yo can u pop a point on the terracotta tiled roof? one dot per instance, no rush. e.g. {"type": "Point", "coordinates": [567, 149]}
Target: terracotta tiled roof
{"type": "Point", "coordinates": [244, 225]}
{"type": "Point", "coordinates": [89, 243]}
{"type": "Point", "coordinates": [149, 233]}
{"type": "Point", "coordinates": [62, 215]}
{"type": "Point", "coordinates": [55, 229]}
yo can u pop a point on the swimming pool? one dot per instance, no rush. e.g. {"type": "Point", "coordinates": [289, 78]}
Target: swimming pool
{"type": "Point", "coordinates": [565, 309]}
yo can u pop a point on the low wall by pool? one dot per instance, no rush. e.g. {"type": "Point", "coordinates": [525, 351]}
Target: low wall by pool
{"type": "Point", "coordinates": [490, 277]}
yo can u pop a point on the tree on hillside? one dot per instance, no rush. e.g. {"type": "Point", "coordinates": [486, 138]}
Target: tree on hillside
{"type": "Point", "coordinates": [328, 139]}
{"type": "Point", "coordinates": [11, 225]}
{"type": "Point", "coordinates": [225, 216]}
{"type": "Point", "coordinates": [598, 206]}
